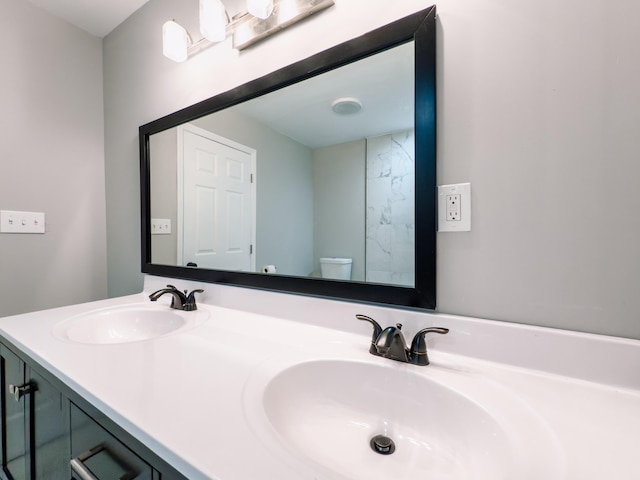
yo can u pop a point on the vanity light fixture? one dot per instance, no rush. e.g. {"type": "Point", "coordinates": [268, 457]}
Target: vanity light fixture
{"type": "Point", "coordinates": [213, 20]}
{"type": "Point", "coordinates": [175, 41]}
{"type": "Point", "coordinates": [263, 18]}
{"type": "Point", "coordinates": [260, 8]}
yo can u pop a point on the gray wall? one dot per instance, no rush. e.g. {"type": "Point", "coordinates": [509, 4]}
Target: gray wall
{"type": "Point", "coordinates": [338, 209]}
{"type": "Point", "coordinates": [164, 184]}
{"type": "Point", "coordinates": [51, 159]}
{"type": "Point", "coordinates": [538, 107]}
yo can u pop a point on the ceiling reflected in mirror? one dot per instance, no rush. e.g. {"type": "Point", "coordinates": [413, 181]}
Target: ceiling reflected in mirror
{"type": "Point", "coordinates": [312, 185]}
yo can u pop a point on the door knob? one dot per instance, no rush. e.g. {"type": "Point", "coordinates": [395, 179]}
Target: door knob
{"type": "Point", "coordinates": [20, 391]}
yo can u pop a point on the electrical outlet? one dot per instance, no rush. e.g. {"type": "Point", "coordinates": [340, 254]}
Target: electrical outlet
{"type": "Point", "coordinates": [454, 208]}
{"type": "Point", "coordinates": [21, 222]}
{"type": "Point", "coordinates": [160, 226]}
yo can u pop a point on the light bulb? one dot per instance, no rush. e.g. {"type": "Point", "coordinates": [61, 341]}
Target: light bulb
{"type": "Point", "coordinates": [213, 20]}
{"type": "Point", "coordinates": [175, 41]}
{"type": "Point", "coordinates": [260, 8]}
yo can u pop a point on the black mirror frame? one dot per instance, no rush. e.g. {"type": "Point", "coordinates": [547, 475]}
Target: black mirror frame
{"type": "Point", "coordinates": [419, 27]}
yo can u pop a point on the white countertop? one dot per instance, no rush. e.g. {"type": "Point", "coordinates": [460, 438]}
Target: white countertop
{"type": "Point", "coordinates": [183, 395]}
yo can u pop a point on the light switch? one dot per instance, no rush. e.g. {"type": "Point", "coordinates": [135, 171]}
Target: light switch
{"type": "Point", "coordinates": [21, 222]}
{"type": "Point", "coordinates": [160, 226]}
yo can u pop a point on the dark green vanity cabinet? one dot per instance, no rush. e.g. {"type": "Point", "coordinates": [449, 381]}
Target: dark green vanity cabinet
{"type": "Point", "coordinates": [49, 432]}
{"type": "Point", "coordinates": [34, 423]}
{"type": "Point", "coordinates": [14, 419]}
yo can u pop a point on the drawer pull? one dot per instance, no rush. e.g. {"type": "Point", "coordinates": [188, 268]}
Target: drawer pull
{"type": "Point", "coordinates": [80, 469]}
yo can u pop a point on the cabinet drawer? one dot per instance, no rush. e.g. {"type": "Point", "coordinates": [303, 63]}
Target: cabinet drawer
{"type": "Point", "coordinates": [96, 454]}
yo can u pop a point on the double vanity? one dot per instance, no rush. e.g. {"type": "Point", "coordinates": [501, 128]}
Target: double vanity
{"type": "Point", "coordinates": [285, 387]}
{"type": "Point", "coordinates": [283, 380]}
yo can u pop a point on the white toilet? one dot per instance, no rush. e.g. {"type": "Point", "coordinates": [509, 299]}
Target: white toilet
{"type": "Point", "coordinates": [336, 268]}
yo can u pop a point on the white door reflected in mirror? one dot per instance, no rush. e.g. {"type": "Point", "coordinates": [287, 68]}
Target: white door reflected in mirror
{"type": "Point", "coordinates": [215, 204]}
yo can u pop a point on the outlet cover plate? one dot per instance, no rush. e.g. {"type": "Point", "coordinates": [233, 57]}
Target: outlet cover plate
{"type": "Point", "coordinates": [454, 217]}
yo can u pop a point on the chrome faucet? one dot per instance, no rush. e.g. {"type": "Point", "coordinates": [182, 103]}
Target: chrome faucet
{"type": "Point", "coordinates": [180, 301]}
{"type": "Point", "coordinates": [390, 342]}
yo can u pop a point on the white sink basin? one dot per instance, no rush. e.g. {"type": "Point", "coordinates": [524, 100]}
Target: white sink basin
{"type": "Point", "coordinates": [127, 323]}
{"type": "Point", "coordinates": [324, 413]}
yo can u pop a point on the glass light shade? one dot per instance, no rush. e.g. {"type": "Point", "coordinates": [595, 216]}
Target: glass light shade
{"type": "Point", "coordinates": [213, 20]}
{"type": "Point", "coordinates": [260, 8]}
{"type": "Point", "coordinates": [175, 41]}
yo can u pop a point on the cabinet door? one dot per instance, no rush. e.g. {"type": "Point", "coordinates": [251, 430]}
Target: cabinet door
{"type": "Point", "coordinates": [50, 428]}
{"type": "Point", "coordinates": [16, 441]}
{"type": "Point", "coordinates": [34, 424]}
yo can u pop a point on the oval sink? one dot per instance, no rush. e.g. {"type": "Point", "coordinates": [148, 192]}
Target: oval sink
{"type": "Point", "coordinates": [327, 412]}
{"type": "Point", "coordinates": [127, 323]}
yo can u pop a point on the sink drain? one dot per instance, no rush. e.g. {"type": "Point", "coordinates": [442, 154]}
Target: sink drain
{"type": "Point", "coordinates": [383, 445]}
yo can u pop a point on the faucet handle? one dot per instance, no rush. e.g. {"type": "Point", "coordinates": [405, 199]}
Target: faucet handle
{"type": "Point", "coordinates": [377, 330]}
{"type": "Point", "coordinates": [418, 352]}
{"type": "Point", "coordinates": [190, 303]}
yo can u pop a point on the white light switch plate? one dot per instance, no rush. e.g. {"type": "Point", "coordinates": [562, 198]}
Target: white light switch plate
{"type": "Point", "coordinates": [160, 226]}
{"type": "Point", "coordinates": [21, 222]}
{"type": "Point", "coordinates": [454, 208]}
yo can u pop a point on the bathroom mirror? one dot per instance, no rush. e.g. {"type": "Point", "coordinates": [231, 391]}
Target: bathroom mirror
{"type": "Point", "coordinates": [316, 179]}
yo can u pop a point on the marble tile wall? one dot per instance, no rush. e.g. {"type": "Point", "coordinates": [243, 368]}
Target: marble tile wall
{"type": "Point", "coordinates": [390, 220]}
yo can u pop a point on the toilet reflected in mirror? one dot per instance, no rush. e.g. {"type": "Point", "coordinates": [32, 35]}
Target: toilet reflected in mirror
{"type": "Point", "coordinates": [336, 268]}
